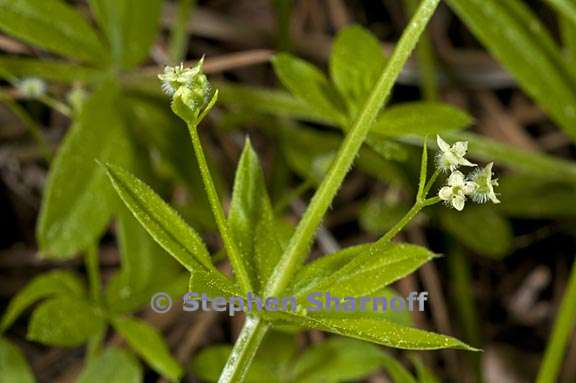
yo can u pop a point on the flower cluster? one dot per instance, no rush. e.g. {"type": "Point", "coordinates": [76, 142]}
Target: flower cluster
{"type": "Point", "coordinates": [478, 185]}
{"type": "Point", "coordinates": [32, 87]}
{"type": "Point", "coordinates": [189, 88]}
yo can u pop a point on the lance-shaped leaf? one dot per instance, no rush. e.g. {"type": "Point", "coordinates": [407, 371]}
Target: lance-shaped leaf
{"type": "Point", "coordinates": [396, 370]}
{"type": "Point", "coordinates": [420, 118]}
{"type": "Point", "coordinates": [52, 70]}
{"type": "Point", "coordinates": [565, 7]}
{"type": "Point", "coordinates": [114, 365]}
{"type": "Point", "coordinates": [548, 79]}
{"type": "Point", "coordinates": [349, 360]}
{"type": "Point", "coordinates": [371, 270]}
{"type": "Point", "coordinates": [163, 223]}
{"type": "Point", "coordinates": [250, 212]}
{"type": "Point", "coordinates": [13, 365]}
{"type": "Point", "coordinates": [481, 228]}
{"type": "Point", "coordinates": [65, 322]}
{"type": "Point", "coordinates": [356, 60]}
{"type": "Point", "coordinates": [53, 25]}
{"type": "Point", "coordinates": [145, 267]}
{"type": "Point", "coordinates": [379, 331]}
{"type": "Point", "coordinates": [149, 344]}
{"type": "Point", "coordinates": [78, 201]}
{"type": "Point", "coordinates": [131, 27]}
{"type": "Point", "coordinates": [212, 283]}
{"type": "Point", "coordinates": [55, 283]}
{"type": "Point", "coordinates": [309, 84]}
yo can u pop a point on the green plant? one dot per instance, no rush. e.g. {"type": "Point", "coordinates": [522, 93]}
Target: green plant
{"type": "Point", "coordinates": [259, 260]}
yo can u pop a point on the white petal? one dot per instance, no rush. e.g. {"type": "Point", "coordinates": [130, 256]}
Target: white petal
{"type": "Point", "coordinates": [445, 193]}
{"type": "Point", "coordinates": [458, 202]}
{"type": "Point", "coordinates": [464, 162]}
{"type": "Point", "coordinates": [452, 159]}
{"type": "Point", "coordinates": [456, 179]}
{"type": "Point", "coordinates": [470, 187]}
{"type": "Point", "coordinates": [460, 148]}
{"type": "Point", "coordinates": [493, 197]}
{"type": "Point", "coordinates": [442, 144]}
{"type": "Point", "coordinates": [488, 168]}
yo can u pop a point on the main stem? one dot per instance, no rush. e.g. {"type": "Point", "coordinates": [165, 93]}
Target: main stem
{"type": "Point", "coordinates": [218, 211]}
{"type": "Point", "coordinates": [244, 350]}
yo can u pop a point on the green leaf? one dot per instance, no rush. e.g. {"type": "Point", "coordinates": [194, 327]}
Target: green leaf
{"type": "Point", "coordinates": [380, 269]}
{"type": "Point", "coordinates": [481, 228]}
{"type": "Point", "coordinates": [308, 152]}
{"type": "Point", "coordinates": [536, 164]}
{"type": "Point", "coordinates": [524, 197]}
{"type": "Point", "coordinates": [307, 83]}
{"type": "Point", "coordinates": [268, 247]}
{"type": "Point", "coordinates": [148, 343]}
{"type": "Point", "coordinates": [210, 361]}
{"type": "Point", "coordinates": [325, 266]}
{"type": "Point", "coordinates": [145, 267]}
{"type": "Point", "coordinates": [524, 40]}
{"type": "Point", "coordinates": [53, 25]}
{"type": "Point", "coordinates": [420, 118]}
{"type": "Point", "coordinates": [380, 331]}
{"type": "Point", "coordinates": [379, 214]}
{"type": "Point", "coordinates": [251, 210]}
{"type": "Point", "coordinates": [131, 27]}
{"type": "Point", "coordinates": [54, 283]}
{"type": "Point", "coordinates": [212, 283]}
{"type": "Point", "coordinates": [76, 209]}
{"type": "Point", "coordinates": [337, 360]}
{"type": "Point", "coordinates": [114, 365]}
{"type": "Point", "coordinates": [270, 101]}
{"type": "Point", "coordinates": [356, 60]}
{"type": "Point", "coordinates": [396, 370]}
{"type": "Point", "coordinates": [567, 8]}
{"type": "Point", "coordinates": [64, 322]}
{"type": "Point", "coordinates": [270, 364]}
{"type": "Point", "coordinates": [424, 374]}
{"type": "Point", "coordinates": [50, 70]}
{"type": "Point", "coordinates": [160, 220]}
{"type": "Point", "coordinates": [13, 365]}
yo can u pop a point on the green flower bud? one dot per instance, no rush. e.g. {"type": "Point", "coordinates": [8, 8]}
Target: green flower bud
{"type": "Point", "coordinates": [192, 94]}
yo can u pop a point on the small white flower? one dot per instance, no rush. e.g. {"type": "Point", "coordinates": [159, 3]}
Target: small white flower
{"type": "Point", "coordinates": [451, 157]}
{"type": "Point", "coordinates": [457, 189]}
{"type": "Point", "coordinates": [32, 87]}
{"type": "Point", "coordinates": [485, 190]}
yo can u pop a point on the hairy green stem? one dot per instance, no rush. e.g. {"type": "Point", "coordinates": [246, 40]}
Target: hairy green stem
{"type": "Point", "coordinates": [244, 350]}
{"type": "Point", "coordinates": [408, 217]}
{"type": "Point", "coordinates": [563, 328]}
{"type": "Point", "coordinates": [300, 242]}
{"type": "Point", "coordinates": [218, 211]}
